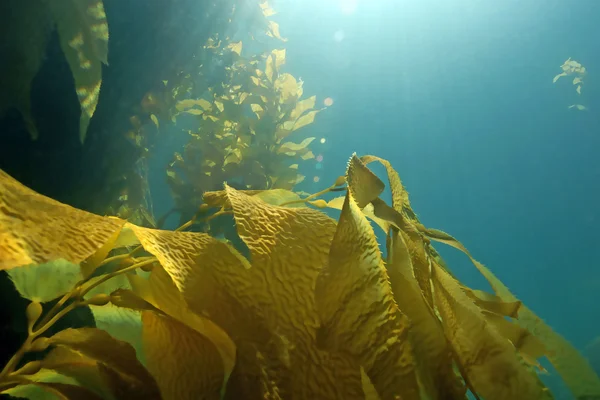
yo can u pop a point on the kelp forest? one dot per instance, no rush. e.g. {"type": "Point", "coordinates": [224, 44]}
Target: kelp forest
{"type": "Point", "coordinates": [263, 291]}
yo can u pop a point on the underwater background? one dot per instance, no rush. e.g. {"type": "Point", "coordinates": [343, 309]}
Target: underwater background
{"type": "Point", "coordinates": [457, 95]}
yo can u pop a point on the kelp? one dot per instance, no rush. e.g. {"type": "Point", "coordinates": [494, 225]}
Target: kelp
{"type": "Point", "coordinates": [243, 126]}
{"type": "Point", "coordinates": [312, 310]}
{"type": "Point", "coordinates": [83, 34]}
{"type": "Point", "coordinates": [578, 72]}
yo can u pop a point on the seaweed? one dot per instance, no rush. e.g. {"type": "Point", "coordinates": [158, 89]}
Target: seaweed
{"type": "Point", "coordinates": [314, 310]}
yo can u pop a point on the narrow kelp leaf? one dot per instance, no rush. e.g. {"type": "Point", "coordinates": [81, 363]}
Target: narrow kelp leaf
{"type": "Point", "coordinates": [574, 369]}
{"type": "Point", "coordinates": [114, 354]}
{"type": "Point", "coordinates": [83, 33]}
{"type": "Point", "coordinates": [355, 302]}
{"type": "Point", "coordinates": [302, 107]}
{"type": "Point", "coordinates": [305, 119]}
{"type": "Point", "coordinates": [278, 197]}
{"type": "Point", "coordinates": [62, 391]}
{"type": "Point", "coordinates": [488, 361]}
{"type": "Point", "coordinates": [526, 344]}
{"type": "Point", "coordinates": [185, 363]}
{"type": "Point", "coordinates": [45, 282]}
{"type": "Point", "coordinates": [30, 387]}
{"type": "Point", "coordinates": [35, 229]}
{"type": "Point", "coordinates": [297, 147]}
{"type": "Point", "coordinates": [492, 303]}
{"type": "Point", "coordinates": [427, 336]}
{"type": "Point", "coordinates": [27, 26]}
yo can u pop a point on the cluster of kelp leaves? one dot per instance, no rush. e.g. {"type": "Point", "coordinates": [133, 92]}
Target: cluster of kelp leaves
{"type": "Point", "coordinates": [313, 311]}
{"type": "Point", "coordinates": [244, 124]}
{"type": "Point", "coordinates": [242, 108]}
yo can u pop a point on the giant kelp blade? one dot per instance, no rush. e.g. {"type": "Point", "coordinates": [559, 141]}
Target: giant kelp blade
{"type": "Point", "coordinates": [83, 33]}
{"type": "Point", "coordinates": [288, 247]}
{"type": "Point", "coordinates": [114, 354]}
{"type": "Point", "coordinates": [35, 229]}
{"type": "Point", "coordinates": [427, 336]}
{"type": "Point", "coordinates": [160, 290]}
{"type": "Point", "coordinates": [355, 302]}
{"type": "Point", "coordinates": [575, 370]}
{"type": "Point", "coordinates": [488, 360]}
{"type": "Point", "coordinates": [186, 364]}
{"type": "Point", "coordinates": [25, 25]}
{"type": "Point", "coordinates": [207, 273]}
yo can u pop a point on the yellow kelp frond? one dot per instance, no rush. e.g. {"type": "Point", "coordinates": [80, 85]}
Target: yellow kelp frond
{"type": "Point", "coordinates": [430, 344]}
{"type": "Point", "coordinates": [37, 229]}
{"type": "Point", "coordinates": [280, 284]}
{"type": "Point", "coordinates": [312, 311]}
{"type": "Point", "coordinates": [355, 301]}
{"type": "Point", "coordinates": [487, 359]}
{"type": "Point", "coordinates": [575, 370]}
{"type": "Point", "coordinates": [191, 369]}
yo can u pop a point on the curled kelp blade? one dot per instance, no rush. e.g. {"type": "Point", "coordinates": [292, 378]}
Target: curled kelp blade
{"type": "Point", "coordinates": [35, 229]}
{"type": "Point", "coordinates": [355, 302]}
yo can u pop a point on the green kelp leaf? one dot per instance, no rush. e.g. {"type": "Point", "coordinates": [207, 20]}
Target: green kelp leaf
{"type": "Point", "coordinates": [295, 147]}
{"type": "Point", "coordinates": [303, 106]}
{"type": "Point", "coordinates": [306, 119]}
{"type": "Point", "coordinates": [83, 33]}
{"type": "Point", "coordinates": [45, 282]}
{"type": "Point", "coordinates": [25, 27]}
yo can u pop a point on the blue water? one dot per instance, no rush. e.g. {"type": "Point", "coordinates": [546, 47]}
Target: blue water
{"type": "Point", "coordinates": [458, 95]}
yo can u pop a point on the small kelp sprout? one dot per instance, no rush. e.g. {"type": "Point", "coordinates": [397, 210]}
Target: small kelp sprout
{"type": "Point", "coordinates": [313, 312]}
